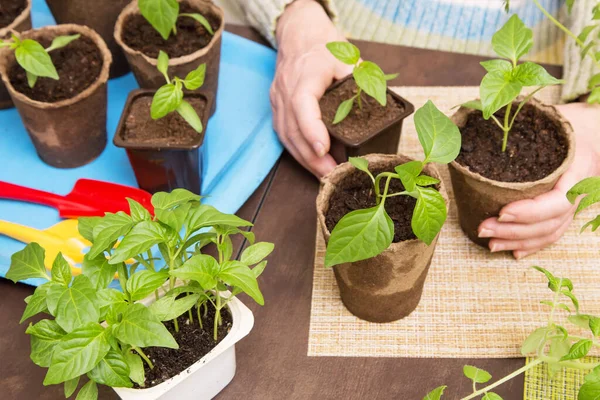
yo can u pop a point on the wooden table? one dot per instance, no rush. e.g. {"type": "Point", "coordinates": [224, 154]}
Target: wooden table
{"type": "Point", "coordinates": [272, 360]}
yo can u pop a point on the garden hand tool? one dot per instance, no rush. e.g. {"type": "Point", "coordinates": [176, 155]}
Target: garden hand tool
{"type": "Point", "coordinates": [88, 198]}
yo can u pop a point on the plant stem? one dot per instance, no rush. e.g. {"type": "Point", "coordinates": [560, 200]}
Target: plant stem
{"type": "Point", "coordinates": [217, 315]}
{"type": "Point", "coordinates": [569, 364]}
{"type": "Point", "coordinates": [378, 180]}
{"type": "Point", "coordinates": [191, 315]}
{"type": "Point", "coordinates": [199, 316]}
{"type": "Point", "coordinates": [359, 99]}
{"type": "Point", "coordinates": [151, 261]}
{"type": "Point", "coordinates": [506, 127]}
{"type": "Point", "coordinates": [144, 356]}
{"type": "Point", "coordinates": [172, 285]}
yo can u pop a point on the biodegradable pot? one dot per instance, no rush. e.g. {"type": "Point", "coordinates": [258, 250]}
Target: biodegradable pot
{"type": "Point", "coordinates": [382, 141]}
{"type": "Point", "coordinates": [144, 67]}
{"type": "Point", "coordinates": [101, 16]}
{"type": "Point", "coordinates": [160, 169]}
{"type": "Point", "coordinates": [68, 133]}
{"type": "Point", "coordinates": [387, 287]}
{"type": "Point", "coordinates": [479, 198]}
{"type": "Point", "coordinates": [20, 24]}
{"type": "Point", "coordinates": [204, 379]}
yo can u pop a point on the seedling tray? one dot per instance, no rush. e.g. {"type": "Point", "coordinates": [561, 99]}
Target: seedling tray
{"type": "Point", "coordinates": [240, 147]}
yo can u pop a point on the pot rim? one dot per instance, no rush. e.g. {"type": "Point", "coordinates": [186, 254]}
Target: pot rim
{"type": "Point", "coordinates": [18, 20]}
{"type": "Point", "coordinates": [409, 108]}
{"type": "Point", "coordinates": [330, 181]}
{"type": "Point", "coordinates": [135, 94]}
{"type": "Point", "coordinates": [132, 9]}
{"type": "Point", "coordinates": [553, 113]}
{"type": "Point", "coordinates": [6, 58]}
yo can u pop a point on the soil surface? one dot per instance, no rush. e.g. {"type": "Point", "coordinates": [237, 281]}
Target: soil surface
{"type": "Point", "coordinates": [359, 123]}
{"type": "Point", "coordinates": [194, 343]}
{"type": "Point", "coordinates": [9, 10]}
{"type": "Point", "coordinates": [170, 130]}
{"type": "Point", "coordinates": [191, 35]}
{"type": "Point", "coordinates": [356, 192]}
{"type": "Point", "coordinates": [78, 64]}
{"type": "Point", "coordinates": [536, 147]}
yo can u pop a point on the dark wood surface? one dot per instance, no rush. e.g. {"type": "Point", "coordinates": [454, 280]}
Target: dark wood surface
{"type": "Point", "coordinates": [272, 362]}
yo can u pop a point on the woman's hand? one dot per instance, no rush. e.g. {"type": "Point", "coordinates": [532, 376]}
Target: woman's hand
{"type": "Point", "coordinates": [305, 69]}
{"type": "Point", "coordinates": [527, 226]}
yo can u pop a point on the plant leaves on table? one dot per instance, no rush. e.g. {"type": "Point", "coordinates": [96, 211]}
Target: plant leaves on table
{"type": "Point", "coordinates": [140, 239]}
{"type": "Point", "coordinates": [161, 14]}
{"type": "Point", "coordinates": [143, 283]}
{"type": "Point", "coordinates": [76, 305]}
{"type": "Point", "coordinates": [532, 74]}
{"type": "Point", "coordinates": [201, 268]}
{"type": "Point", "coordinates": [89, 391]}
{"type": "Point", "coordinates": [579, 350]}
{"type": "Point", "coordinates": [239, 275]}
{"type": "Point", "coordinates": [108, 230]}
{"type": "Point", "coordinates": [344, 51]}
{"type": "Point", "coordinates": [408, 173]}
{"type": "Point", "coordinates": [112, 370]}
{"type": "Point", "coordinates": [139, 327]}
{"type": "Point", "coordinates": [438, 135]}
{"type": "Point", "coordinates": [475, 374]}
{"type": "Point", "coordinates": [205, 216]}
{"type": "Point", "coordinates": [429, 215]}
{"type": "Point", "coordinates": [513, 40]}
{"type": "Point", "coordinates": [435, 394]}
{"type": "Point", "coordinates": [28, 263]}
{"type": "Point", "coordinates": [45, 336]}
{"type": "Point", "coordinates": [195, 78]}
{"type": "Point", "coordinates": [370, 78]}
{"type": "Point", "coordinates": [33, 58]}
{"type": "Point", "coordinates": [99, 271]}
{"type": "Point", "coordinates": [256, 253]}
{"type": "Point", "coordinates": [169, 307]}
{"type": "Point", "coordinates": [136, 368]}
{"type": "Point", "coordinates": [497, 92]}
{"type": "Point", "coordinates": [61, 271]}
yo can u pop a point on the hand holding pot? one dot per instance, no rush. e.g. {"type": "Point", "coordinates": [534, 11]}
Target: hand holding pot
{"type": "Point", "coordinates": [527, 226]}
{"type": "Point", "coordinates": [305, 69]}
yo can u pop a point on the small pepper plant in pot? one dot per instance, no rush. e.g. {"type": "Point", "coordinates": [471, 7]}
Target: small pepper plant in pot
{"type": "Point", "coordinates": [381, 216]}
{"type": "Point", "coordinates": [513, 147]}
{"type": "Point", "coordinates": [170, 331]}
{"type": "Point", "coordinates": [188, 31]}
{"type": "Point", "coordinates": [56, 77]}
{"type": "Point", "coordinates": [163, 131]}
{"type": "Point", "coordinates": [15, 16]}
{"type": "Point", "coordinates": [361, 114]}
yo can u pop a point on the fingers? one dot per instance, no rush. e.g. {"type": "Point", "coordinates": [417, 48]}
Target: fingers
{"type": "Point", "coordinates": [514, 231]}
{"type": "Point", "coordinates": [544, 207]}
{"type": "Point", "coordinates": [530, 245]}
{"type": "Point", "coordinates": [305, 105]}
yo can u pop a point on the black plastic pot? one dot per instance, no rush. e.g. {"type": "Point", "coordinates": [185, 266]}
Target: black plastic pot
{"type": "Point", "coordinates": [159, 169]}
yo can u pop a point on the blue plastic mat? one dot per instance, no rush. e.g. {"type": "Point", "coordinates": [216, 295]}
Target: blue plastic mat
{"type": "Point", "coordinates": [240, 146]}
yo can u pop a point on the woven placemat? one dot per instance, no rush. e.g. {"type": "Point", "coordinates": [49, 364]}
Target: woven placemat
{"type": "Point", "coordinates": [563, 386]}
{"type": "Point", "coordinates": [475, 304]}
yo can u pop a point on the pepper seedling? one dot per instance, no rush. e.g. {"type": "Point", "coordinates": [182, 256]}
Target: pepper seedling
{"type": "Point", "coordinates": [590, 188]}
{"type": "Point", "coordinates": [440, 140]}
{"type": "Point", "coordinates": [506, 78]}
{"type": "Point", "coordinates": [163, 15]}
{"type": "Point", "coordinates": [34, 58]}
{"type": "Point", "coordinates": [368, 76]}
{"type": "Point", "coordinates": [169, 97]}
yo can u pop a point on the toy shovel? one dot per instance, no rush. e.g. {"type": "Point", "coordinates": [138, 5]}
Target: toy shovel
{"type": "Point", "coordinates": [88, 198]}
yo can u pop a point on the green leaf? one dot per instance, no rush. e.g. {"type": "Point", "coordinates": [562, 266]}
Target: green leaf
{"type": "Point", "coordinates": [71, 386]}
{"type": "Point", "coordinates": [475, 374]}
{"type": "Point", "coordinates": [161, 14]}
{"type": "Point", "coordinates": [77, 353]}
{"type": "Point", "coordinates": [107, 231]}
{"type": "Point", "coordinates": [143, 283]}
{"type": "Point", "coordinates": [343, 110]}
{"type": "Point", "coordinates": [201, 268]}
{"type": "Point", "coordinates": [190, 115]}
{"type": "Point", "coordinates": [195, 79]}
{"type": "Point", "coordinates": [594, 97]}
{"type": "Point", "coordinates": [256, 253]}
{"type": "Point", "coordinates": [496, 92]}
{"type": "Point", "coordinates": [513, 40]}
{"type": "Point", "coordinates": [473, 104]}
{"type": "Point", "coordinates": [589, 391]}
{"type": "Point", "coordinates": [139, 327]}
{"type": "Point", "coordinates": [177, 197]}
{"type": "Point", "coordinates": [61, 41]}
{"type": "Point", "coordinates": [438, 135]}
{"type": "Point", "coordinates": [573, 299]}
{"type": "Point", "coordinates": [37, 302]}
{"type": "Point", "coordinates": [45, 336]}
{"type": "Point", "coordinates": [138, 212]}
{"type": "Point", "coordinates": [99, 271]}
{"type": "Point", "coordinates": [140, 239]}
{"type": "Point", "coordinates": [107, 298]}
{"type": "Point", "coordinates": [166, 100]}
{"type": "Point", "coordinates": [86, 225]}
{"type": "Point", "coordinates": [389, 77]}
{"type": "Point", "coordinates": [169, 307]}
{"type": "Point", "coordinates": [595, 223]}
{"type": "Point", "coordinates": [435, 394]}
{"type": "Point", "coordinates": [491, 396]}
{"type": "Point", "coordinates": [31, 79]}
{"type": "Point", "coordinates": [162, 65]}
{"type": "Point", "coordinates": [359, 235]}
{"type": "Point", "coordinates": [344, 51]}
{"type": "Point", "coordinates": [33, 58]}
{"type": "Point", "coordinates": [578, 350]}
{"type": "Point", "coordinates": [534, 341]}
{"type": "Point", "coordinates": [532, 74]}
{"type": "Point", "coordinates": [426, 180]}
{"type": "Point", "coordinates": [581, 320]}
{"type": "Point", "coordinates": [408, 173]}
{"type": "Point", "coordinates": [27, 263]}
{"type": "Point", "coordinates": [500, 66]}
{"type": "Point", "coordinates": [371, 79]}
{"type": "Point", "coordinates": [205, 216]}
{"type": "Point", "coordinates": [203, 21]}
{"type": "Point", "coordinates": [239, 275]}
{"type": "Point", "coordinates": [89, 391]}
{"type": "Point", "coordinates": [589, 187]}
{"type": "Point", "coordinates": [136, 368]}
{"type": "Point", "coordinates": [61, 270]}
{"type": "Point", "coordinates": [595, 326]}
{"type": "Point", "coordinates": [585, 32]}
{"type": "Point", "coordinates": [429, 215]}
{"type": "Point", "coordinates": [175, 217]}
{"type": "Point", "coordinates": [77, 305]}
{"type": "Point", "coordinates": [112, 371]}
{"type": "Point", "coordinates": [258, 270]}
{"type": "Point", "coordinates": [594, 81]}
{"type": "Point", "coordinates": [360, 163]}
{"type": "Point", "coordinates": [559, 347]}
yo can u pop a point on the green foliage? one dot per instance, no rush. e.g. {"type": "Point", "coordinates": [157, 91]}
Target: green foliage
{"type": "Point", "coordinates": [163, 15]}
{"type": "Point", "coordinates": [435, 394]}
{"type": "Point", "coordinates": [366, 233]}
{"type": "Point", "coordinates": [589, 188]}
{"type": "Point", "coordinates": [169, 97]}
{"type": "Point", "coordinates": [368, 76]}
{"type": "Point", "coordinates": [475, 374]}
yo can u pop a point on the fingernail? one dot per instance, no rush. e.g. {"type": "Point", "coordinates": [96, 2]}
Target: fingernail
{"type": "Point", "coordinates": [518, 254]}
{"type": "Point", "coordinates": [506, 218]}
{"type": "Point", "coordinates": [486, 233]}
{"type": "Point", "coordinates": [319, 149]}
{"type": "Point", "coordinates": [494, 248]}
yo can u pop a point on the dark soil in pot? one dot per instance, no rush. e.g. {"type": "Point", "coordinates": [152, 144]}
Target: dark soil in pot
{"type": "Point", "coordinates": [535, 147]}
{"type": "Point", "coordinates": [194, 343]}
{"type": "Point", "coordinates": [9, 10]}
{"type": "Point", "coordinates": [78, 65]}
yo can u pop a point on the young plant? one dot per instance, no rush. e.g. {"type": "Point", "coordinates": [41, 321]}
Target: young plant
{"type": "Point", "coordinates": [506, 78]}
{"type": "Point", "coordinates": [169, 97]}
{"type": "Point", "coordinates": [368, 76]}
{"type": "Point", "coordinates": [163, 15]}
{"type": "Point", "coordinates": [363, 234]}
{"type": "Point", "coordinates": [34, 58]}
{"type": "Point", "coordinates": [551, 344]}
{"type": "Point", "coordinates": [590, 188]}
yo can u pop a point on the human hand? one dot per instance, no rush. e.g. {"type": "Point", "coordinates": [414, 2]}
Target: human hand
{"type": "Point", "coordinates": [305, 69]}
{"type": "Point", "coordinates": [527, 226]}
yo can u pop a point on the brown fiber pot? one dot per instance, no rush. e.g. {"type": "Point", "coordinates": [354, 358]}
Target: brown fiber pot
{"type": "Point", "coordinates": [144, 67]}
{"type": "Point", "coordinates": [101, 16]}
{"type": "Point", "coordinates": [388, 287]}
{"type": "Point", "coordinates": [69, 133]}
{"type": "Point", "coordinates": [20, 24]}
{"type": "Point", "coordinates": [479, 198]}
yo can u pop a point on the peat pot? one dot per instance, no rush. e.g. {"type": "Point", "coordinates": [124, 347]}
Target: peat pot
{"type": "Point", "coordinates": [71, 132]}
{"type": "Point", "coordinates": [381, 136]}
{"type": "Point", "coordinates": [387, 287]}
{"type": "Point", "coordinates": [479, 198]}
